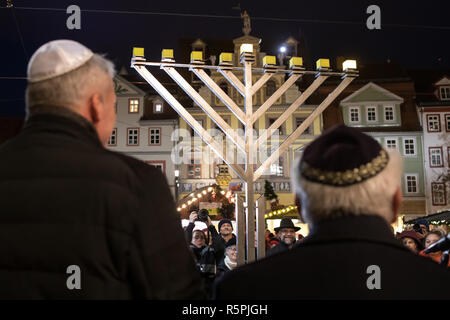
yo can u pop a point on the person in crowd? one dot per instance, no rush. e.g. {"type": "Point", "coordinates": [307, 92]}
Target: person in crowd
{"type": "Point", "coordinates": [79, 221]}
{"type": "Point", "coordinates": [230, 260]}
{"type": "Point", "coordinates": [424, 226]}
{"type": "Point", "coordinates": [350, 192]}
{"type": "Point", "coordinates": [430, 238]}
{"type": "Point", "coordinates": [411, 240]}
{"type": "Point", "coordinates": [207, 256]}
{"type": "Point", "coordinates": [286, 233]}
{"type": "Point", "coordinates": [226, 231]}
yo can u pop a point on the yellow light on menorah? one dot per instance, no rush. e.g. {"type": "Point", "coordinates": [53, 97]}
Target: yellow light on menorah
{"type": "Point", "coordinates": [296, 62]}
{"type": "Point", "coordinates": [225, 57]}
{"type": "Point", "coordinates": [246, 47]}
{"type": "Point", "coordinates": [349, 65]}
{"type": "Point", "coordinates": [138, 52]}
{"type": "Point", "coordinates": [167, 54]}
{"type": "Point", "coordinates": [323, 63]}
{"type": "Point", "coordinates": [196, 56]}
{"type": "Point", "coordinates": [269, 61]}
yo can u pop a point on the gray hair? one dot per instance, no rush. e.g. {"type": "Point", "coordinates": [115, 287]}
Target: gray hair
{"type": "Point", "coordinates": [373, 196]}
{"type": "Point", "coordinates": [69, 89]}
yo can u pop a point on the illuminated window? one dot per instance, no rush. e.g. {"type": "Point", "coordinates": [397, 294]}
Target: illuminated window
{"type": "Point", "coordinates": [158, 108]}
{"type": "Point", "coordinates": [133, 106]}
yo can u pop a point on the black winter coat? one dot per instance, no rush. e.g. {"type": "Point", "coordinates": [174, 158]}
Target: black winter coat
{"type": "Point", "coordinates": [66, 200]}
{"type": "Point", "coordinates": [334, 262]}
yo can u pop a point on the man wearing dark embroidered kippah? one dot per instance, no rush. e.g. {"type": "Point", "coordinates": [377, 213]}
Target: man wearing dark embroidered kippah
{"type": "Point", "coordinates": [349, 189]}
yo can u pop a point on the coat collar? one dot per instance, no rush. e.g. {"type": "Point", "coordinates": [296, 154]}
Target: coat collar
{"type": "Point", "coordinates": [62, 120]}
{"type": "Point", "coordinates": [365, 228]}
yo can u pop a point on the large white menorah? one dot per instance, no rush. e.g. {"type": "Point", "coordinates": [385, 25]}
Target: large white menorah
{"type": "Point", "coordinates": [247, 117]}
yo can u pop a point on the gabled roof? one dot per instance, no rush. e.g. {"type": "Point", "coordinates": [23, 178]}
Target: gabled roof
{"type": "Point", "coordinates": [125, 88]}
{"type": "Point", "coordinates": [370, 89]}
{"type": "Point", "coordinates": [445, 81]}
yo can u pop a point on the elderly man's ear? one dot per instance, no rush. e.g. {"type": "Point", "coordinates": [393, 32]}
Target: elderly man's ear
{"type": "Point", "coordinates": [95, 108]}
{"type": "Point", "coordinates": [396, 203]}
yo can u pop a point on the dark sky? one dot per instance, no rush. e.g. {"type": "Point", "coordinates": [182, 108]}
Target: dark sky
{"type": "Point", "coordinates": [414, 34]}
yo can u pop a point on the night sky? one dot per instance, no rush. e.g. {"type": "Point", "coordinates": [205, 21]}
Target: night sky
{"type": "Point", "coordinates": [414, 34]}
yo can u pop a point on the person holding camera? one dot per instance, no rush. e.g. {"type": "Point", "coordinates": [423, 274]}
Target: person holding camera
{"type": "Point", "coordinates": [207, 256]}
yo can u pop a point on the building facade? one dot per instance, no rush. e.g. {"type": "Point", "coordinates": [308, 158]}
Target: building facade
{"type": "Point", "coordinates": [435, 118]}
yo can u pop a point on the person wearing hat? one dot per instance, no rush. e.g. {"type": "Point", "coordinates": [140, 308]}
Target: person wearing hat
{"type": "Point", "coordinates": [286, 234]}
{"type": "Point", "coordinates": [349, 188]}
{"type": "Point", "coordinates": [226, 231]}
{"type": "Point", "coordinates": [230, 259]}
{"type": "Point", "coordinates": [411, 240]}
{"type": "Point", "coordinates": [79, 221]}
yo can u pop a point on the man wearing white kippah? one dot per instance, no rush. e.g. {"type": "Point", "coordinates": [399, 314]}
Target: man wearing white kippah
{"type": "Point", "coordinates": [78, 221]}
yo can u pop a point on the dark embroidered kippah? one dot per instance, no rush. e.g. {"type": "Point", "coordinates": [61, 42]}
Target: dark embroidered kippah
{"type": "Point", "coordinates": [343, 156]}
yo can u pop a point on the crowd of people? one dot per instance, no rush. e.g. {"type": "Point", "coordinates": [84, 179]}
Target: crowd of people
{"type": "Point", "coordinates": [69, 203]}
{"type": "Point", "coordinates": [419, 237]}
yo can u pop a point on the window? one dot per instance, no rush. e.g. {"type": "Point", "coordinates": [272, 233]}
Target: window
{"type": "Point", "coordinates": [354, 115]}
{"type": "Point", "coordinates": [133, 137]}
{"type": "Point", "coordinates": [409, 146]}
{"type": "Point", "coordinates": [438, 193]}
{"type": "Point", "coordinates": [280, 129]}
{"type": "Point", "coordinates": [224, 87]}
{"type": "Point", "coordinates": [133, 105]}
{"type": "Point", "coordinates": [433, 123]}
{"type": "Point", "coordinates": [371, 114]}
{"type": "Point", "coordinates": [194, 169]}
{"type": "Point", "coordinates": [436, 157]}
{"type": "Point", "coordinates": [299, 121]}
{"type": "Point", "coordinates": [276, 169]}
{"type": "Point", "coordinates": [411, 183]}
{"type": "Point", "coordinates": [389, 114]}
{"type": "Point", "coordinates": [445, 93]}
{"type": "Point", "coordinates": [160, 164]}
{"type": "Point", "coordinates": [154, 136]}
{"type": "Point", "coordinates": [447, 122]}
{"type": "Point", "coordinates": [158, 108]}
{"type": "Point", "coordinates": [113, 138]}
{"type": "Point", "coordinates": [271, 87]}
{"type": "Point", "coordinates": [192, 130]}
{"type": "Point", "coordinates": [391, 143]}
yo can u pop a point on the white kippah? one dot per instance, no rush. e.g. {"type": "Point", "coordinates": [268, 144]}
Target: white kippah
{"type": "Point", "coordinates": [56, 58]}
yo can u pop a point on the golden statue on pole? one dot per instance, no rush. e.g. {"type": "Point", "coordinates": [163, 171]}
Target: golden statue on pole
{"type": "Point", "coordinates": [246, 19]}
